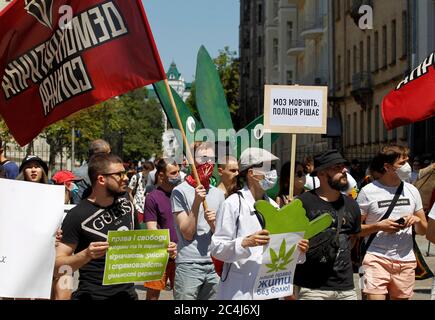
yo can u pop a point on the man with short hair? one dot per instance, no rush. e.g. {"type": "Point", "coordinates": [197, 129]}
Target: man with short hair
{"type": "Point", "coordinates": [389, 264]}
{"type": "Point", "coordinates": [84, 186]}
{"type": "Point", "coordinates": [195, 276]}
{"type": "Point", "coordinates": [228, 170]}
{"type": "Point", "coordinates": [10, 169]}
{"type": "Point", "coordinates": [329, 276]}
{"type": "Point", "coordinates": [158, 215]}
{"type": "Point", "coordinates": [85, 228]}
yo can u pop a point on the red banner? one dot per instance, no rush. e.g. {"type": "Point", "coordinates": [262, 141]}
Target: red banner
{"type": "Point", "coordinates": [57, 57]}
{"type": "Point", "coordinates": [413, 99]}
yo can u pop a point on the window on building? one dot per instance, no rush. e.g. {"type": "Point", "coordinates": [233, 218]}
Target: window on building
{"type": "Point", "coordinates": [362, 127]}
{"type": "Point", "coordinates": [348, 122]}
{"type": "Point", "coordinates": [394, 138]}
{"type": "Point", "coordinates": [385, 132]}
{"type": "Point", "coordinates": [376, 51]}
{"type": "Point", "coordinates": [289, 77]}
{"type": "Point", "coordinates": [247, 11]}
{"type": "Point", "coordinates": [369, 125]}
{"type": "Point", "coordinates": [289, 33]}
{"type": "Point", "coordinates": [393, 42]}
{"type": "Point", "coordinates": [275, 8]}
{"type": "Point", "coordinates": [355, 58]}
{"type": "Point", "coordinates": [260, 46]}
{"type": "Point", "coordinates": [260, 77]}
{"type": "Point", "coordinates": [348, 67]}
{"type": "Point", "coordinates": [355, 131]}
{"type": "Point", "coordinates": [260, 14]}
{"type": "Point", "coordinates": [404, 34]}
{"type": "Point", "coordinates": [275, 52]}
{"type": "Point", "coordinates": [369, 55]}
{"type": "Point", "coordinates": [361, 56]}
{"type": "Point", "coordinates": [377, 118]}
{"type": "Point", "coordinates": [338, 70]}
{"type": "Point", "coordinates": [337, 9]}
{"type": "Point", "coordinates": [384, 47]}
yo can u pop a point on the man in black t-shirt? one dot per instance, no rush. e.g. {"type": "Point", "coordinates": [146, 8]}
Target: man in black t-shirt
{"type": "Point", "coordinates": [317, 280]}
{"type": "Point", "coordinates": [85, 227]}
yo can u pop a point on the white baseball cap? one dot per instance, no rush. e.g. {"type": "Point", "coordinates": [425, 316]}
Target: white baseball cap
{"type": "Point", "coordinates": [254, 156]}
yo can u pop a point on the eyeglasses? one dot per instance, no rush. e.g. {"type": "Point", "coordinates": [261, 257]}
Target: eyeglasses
{"type": "Point", "coordinates": [120, 174]}
{"type": "Point", "coordinates": [204, 159]}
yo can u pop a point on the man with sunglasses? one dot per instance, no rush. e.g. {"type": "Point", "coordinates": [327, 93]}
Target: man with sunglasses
{"type": "Point", "coordinates": [85, 228]}
{"type": "Point", "coordinates": [195, 276]}
{"type": "Point", "coordinates": [328, 274]}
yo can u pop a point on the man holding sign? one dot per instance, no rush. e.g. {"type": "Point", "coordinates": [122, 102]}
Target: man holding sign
{"type": "Point", "coordinates": [85, 228]}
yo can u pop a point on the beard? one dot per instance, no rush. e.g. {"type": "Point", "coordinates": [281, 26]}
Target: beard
{"type": "Point", "coordinates": [341, 184]}
{"type": "Point", "coordinates": [116, 193]}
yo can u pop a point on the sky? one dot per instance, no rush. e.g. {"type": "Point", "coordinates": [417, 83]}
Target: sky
{"type": "Point", "coordinates": [180, 27]}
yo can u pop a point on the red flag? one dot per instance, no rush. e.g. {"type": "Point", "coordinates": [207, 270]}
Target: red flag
{"type": "Point", "coordinates": [413, 99]}
{"type": "Point", "coordinates": [49, 71]}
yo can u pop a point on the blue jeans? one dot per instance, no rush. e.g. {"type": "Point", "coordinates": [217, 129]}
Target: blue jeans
{"type": "Point", "coordinates": [195, 281]}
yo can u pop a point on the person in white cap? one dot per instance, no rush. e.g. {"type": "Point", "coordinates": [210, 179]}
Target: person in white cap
{"type": "Point", "coordinates": [239, 235]}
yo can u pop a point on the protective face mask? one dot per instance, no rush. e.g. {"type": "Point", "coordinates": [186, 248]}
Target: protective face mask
{"type": "Point", "coordinates": [404, 172]}
{"type": "Point", "coordinates": [269, 181]}
{"type": "Point", "coordinates": [174, 181]}
{"type": "Point", "coordinates": [73, 188]}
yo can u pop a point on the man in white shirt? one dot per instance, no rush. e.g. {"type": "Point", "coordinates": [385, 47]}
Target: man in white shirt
{"type": "Point", "coordinates": [389, 264]}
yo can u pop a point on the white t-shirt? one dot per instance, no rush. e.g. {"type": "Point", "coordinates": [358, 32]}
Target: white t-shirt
{"type": "Point", "coordinates": [374, 200]}
{"type": "Point", "coordinates": [432, 212]}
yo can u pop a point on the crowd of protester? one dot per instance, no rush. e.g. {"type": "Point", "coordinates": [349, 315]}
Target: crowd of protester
{"type": "Point", "coordinates": [214, 219]}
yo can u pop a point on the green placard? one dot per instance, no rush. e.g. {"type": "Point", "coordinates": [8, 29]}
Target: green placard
{"type": "Point", "coordinates": [292, 218]}
{"type": "Point", "coordinates": [136, 256]}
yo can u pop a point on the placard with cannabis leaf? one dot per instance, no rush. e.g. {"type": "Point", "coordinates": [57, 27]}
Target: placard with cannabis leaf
{"type": "Point", "coordinates": [283, 260]}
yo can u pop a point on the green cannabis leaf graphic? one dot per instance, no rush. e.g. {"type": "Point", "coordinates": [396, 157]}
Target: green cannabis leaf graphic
{"type": "Point", "coordinates": [280, 262]}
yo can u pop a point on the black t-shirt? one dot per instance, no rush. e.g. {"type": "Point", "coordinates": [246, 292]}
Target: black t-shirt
{"type": "Point", "coordinates": [88, 222]}
{"type": "Point", "coordinates": [340, 276]}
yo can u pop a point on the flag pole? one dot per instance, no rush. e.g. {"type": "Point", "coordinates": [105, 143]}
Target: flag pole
{"type": "Point", "coordinates": [183, 134]}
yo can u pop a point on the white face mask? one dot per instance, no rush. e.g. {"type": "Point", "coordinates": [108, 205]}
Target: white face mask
{"type": "Point", "coordinates": [269, 181]}
{"type": "Point", "coordinates": [404, 172]}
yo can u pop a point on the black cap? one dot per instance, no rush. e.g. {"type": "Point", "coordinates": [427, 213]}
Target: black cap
{"type": "Point", "coordinates": [326, 160]}
{"type": "Point", "coordinates": [36, 159]}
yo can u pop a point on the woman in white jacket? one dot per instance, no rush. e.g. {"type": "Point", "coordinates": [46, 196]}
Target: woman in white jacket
{"type": "Point", "coordinates": [239, 236]}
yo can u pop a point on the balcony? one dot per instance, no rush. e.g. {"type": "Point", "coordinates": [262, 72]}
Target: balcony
{"type": "Point", "coordinates": [317, 78]}
{"type": "Point", "coordinates": [314, 27]}
{"type": "Point", "coordinates": [296, 47]}
{"type": "Point", "coordinates": [362, 89]}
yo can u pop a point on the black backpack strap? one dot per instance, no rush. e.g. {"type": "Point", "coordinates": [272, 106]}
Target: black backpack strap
{"type": "Point", "coordinates": [385, 216]}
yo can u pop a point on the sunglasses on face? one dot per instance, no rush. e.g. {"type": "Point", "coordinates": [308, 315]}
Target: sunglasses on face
{"type": "Point", "coordinates": [120, 174]}
{"type": "Point", "coordinates": [204, 159]}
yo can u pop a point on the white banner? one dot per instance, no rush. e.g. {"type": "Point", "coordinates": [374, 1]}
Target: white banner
{"type": "Point", "coordinates": [30, 214]}
{"type": "Point", "coordinates": [4, 3]}
{"type": "Point", "coordinates": [275, 278]}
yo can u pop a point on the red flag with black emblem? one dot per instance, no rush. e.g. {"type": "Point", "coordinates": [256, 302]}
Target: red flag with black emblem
{"type": "Point", "coordinates": [413, 99]}
{"type": "Point", "coordinates": [58, 57]}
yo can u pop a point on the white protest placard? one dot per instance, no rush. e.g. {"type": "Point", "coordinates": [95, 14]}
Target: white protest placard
{"type": "Point", "coordinates": [30, 214]}
{"type": "Point", "coordinates": [295, 109]}
{"type": "Point", "coordinates": [275, 277]}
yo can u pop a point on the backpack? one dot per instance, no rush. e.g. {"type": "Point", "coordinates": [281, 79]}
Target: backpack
{"type": "Point", "coordinates": [324, 247]}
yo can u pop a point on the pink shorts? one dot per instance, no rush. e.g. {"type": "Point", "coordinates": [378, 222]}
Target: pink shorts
{"type": "Point", "coordinates": [385, 276]}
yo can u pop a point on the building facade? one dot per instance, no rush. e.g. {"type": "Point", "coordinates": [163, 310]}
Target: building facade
{"type": "Point", "coordinates": [367, 65]}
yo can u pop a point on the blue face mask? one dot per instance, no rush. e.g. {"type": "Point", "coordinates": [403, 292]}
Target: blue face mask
{"type": "Point", "coordinates": [74, 189]}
